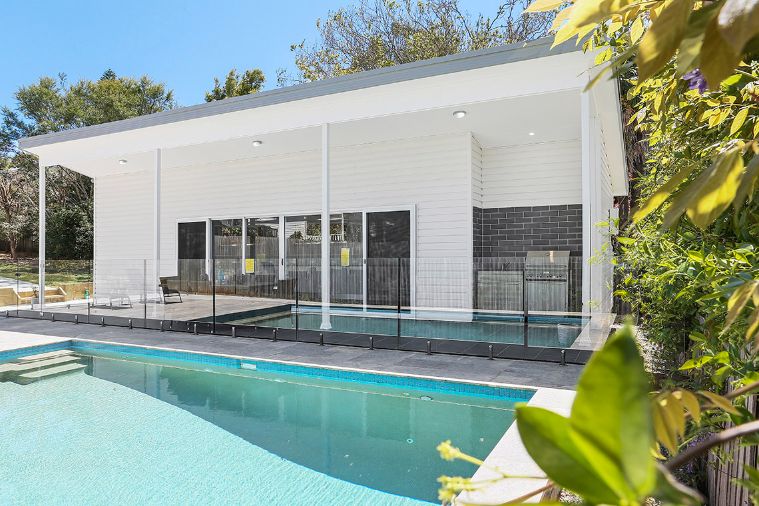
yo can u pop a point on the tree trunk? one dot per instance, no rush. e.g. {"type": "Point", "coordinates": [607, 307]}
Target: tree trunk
{"type": "Point", "coordinates": [12, 244]}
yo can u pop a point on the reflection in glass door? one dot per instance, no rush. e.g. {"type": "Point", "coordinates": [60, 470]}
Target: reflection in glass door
{"type": "Point", "coordinates": [388, 239]}
{"type": "Point", "coordinates": [346, 258]}
{"type": "Point", "coordinates": [227, 252]}
{"type": "Point", "coordinates": [261, 264]}
{"type": "Point", "coordinates": [303, 254]}
{"type": "Point", "coordinates": [191, 256]}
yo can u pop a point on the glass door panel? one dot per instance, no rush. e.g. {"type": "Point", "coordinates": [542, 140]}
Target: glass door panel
{"type": "Point", "coordinates": [227, 252]}
{"type": "Point", "coordinates": [261, 266]}
{"type": "Point", "coordinates": [191, 256]}
{"type": "Point", "coordinates": [303, 238]}
{"type": "Point", "coordinates": [388, 243]}
{"type": "Point", "coordinates": [346, 258]}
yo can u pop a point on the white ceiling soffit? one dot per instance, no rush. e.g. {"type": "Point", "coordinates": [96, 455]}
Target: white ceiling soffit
{"type": "Point", "coordinates": [522, 78]}
{"type": "Point", "coordinates": [549, 117]}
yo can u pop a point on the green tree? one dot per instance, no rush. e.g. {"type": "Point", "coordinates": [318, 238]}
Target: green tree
{"type": "Point", "coordinates": [17, 199]}
{"type": "Point", "coordinates": [235, 85]}
{"type": "Point", "coordinates": [52, 105]}
{"type": "Point", "coordinates": [381, 33]}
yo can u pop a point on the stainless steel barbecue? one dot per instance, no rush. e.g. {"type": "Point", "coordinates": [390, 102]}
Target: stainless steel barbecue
{"type": "Point", "coordinates": [547, 279]}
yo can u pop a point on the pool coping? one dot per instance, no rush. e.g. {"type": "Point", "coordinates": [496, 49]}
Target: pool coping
{"type": "Point", "coordinates": [508, 455]}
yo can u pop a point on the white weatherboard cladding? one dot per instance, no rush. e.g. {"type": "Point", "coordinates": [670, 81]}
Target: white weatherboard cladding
{"type": "Point", "coordinates": [431, 175]}
{"type": "Point", "coordinates": [477, 184]}
{"type": "Point", "coordinates": [539, 174]}
{"type": "Point", "coordinates": [602, 288]}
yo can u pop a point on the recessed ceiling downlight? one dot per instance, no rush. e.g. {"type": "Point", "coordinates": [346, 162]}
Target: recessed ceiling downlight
{"type": "Point", "coordinates": [459, 114]}
{"type": "Point", "coordinates": [531, 133]}
{"type": "Point", "coordinates": [257, 143]}
{"type": "Point", "coordinates": [122, 162]}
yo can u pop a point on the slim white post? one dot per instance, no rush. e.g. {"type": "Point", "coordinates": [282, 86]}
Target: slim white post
{"type": "Point", "coordinates": [41, 233]}
{"type": "Point", "coordinates": [209, 247]}
{"type": "Point", "coordinates": [587, 197]}
{"type": "Point", "coordinates": [156, 224]}
{"type": "Point", "coordinates": [326, 324]}
{"type": "Point", "coordinates": [282, 246]}
{"type": "Point", "coordinates": [244, 243]}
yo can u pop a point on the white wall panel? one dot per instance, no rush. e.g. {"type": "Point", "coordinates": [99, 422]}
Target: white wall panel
{"type": "Point", "coordinates": [429, 174]}
{"type": "Point", "coordinates": [537, 174]}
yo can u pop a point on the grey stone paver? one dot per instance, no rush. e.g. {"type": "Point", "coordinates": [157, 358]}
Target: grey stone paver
{"type": "Point", "coordinates": [516, 372]}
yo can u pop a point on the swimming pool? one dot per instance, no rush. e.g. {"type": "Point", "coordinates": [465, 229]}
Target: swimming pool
{"type": "Point", "coordinates": [145, 426]}
{"type": "Point", "coordinates": [542, 331]}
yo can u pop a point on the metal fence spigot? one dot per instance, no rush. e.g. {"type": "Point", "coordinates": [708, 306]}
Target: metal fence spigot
{"type": "Point", "coordinates": [429, 347]}
{"type": "Point", "coordinates": [371, 342]}
{"type": "Point", "coordinates": [490, 352]}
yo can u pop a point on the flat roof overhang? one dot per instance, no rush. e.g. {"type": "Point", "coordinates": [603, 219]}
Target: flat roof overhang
{"type": "Point", "coordinates": [516, 87]}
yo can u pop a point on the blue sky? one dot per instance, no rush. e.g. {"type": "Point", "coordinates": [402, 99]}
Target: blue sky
{"type": "Point", "coordinates": [182, 43]}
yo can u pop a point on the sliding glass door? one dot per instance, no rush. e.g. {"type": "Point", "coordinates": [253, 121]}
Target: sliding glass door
{"type": "Point", "coordinates": [227, 254]}
{"type": "Point", "coordinates": [370, 256]}
{"type": "Point", "coordinates": [261, 264]}
{"type": "Point", "coordinates": [388, 255]}
{"type": "Point", "coordinates": [191, 257]}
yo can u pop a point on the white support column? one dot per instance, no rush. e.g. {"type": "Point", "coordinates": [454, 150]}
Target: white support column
{"type": "Point", "coordinates": [244, 243]}
{"type": "Point", "coordinates": [209, 247]}
{"type": "Point", "coordinates": [153, 287]}
{"type": "Point", "coordinates": [282, 248]}
{"type": "Point", "coordinates": [587, 197]}
{"type": "Point", "coordinates": [41, 233]}
{"type": "Point", "coordinates": [326, 324]}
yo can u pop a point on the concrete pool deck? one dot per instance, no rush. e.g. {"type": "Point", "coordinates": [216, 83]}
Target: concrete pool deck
{"type": "Point", "coordinates": [20, 332]}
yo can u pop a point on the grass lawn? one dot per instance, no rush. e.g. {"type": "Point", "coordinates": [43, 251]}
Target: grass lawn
{"type": "Point", "coordinates": [56, 272]}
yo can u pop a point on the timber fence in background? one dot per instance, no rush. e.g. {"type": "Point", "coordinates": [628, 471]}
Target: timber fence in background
{"type": "Point", "coordinates": [722, 473]}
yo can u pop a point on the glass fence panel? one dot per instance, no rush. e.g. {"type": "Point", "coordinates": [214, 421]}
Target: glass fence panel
{"type": "Point", "coordinates": [479, 306]}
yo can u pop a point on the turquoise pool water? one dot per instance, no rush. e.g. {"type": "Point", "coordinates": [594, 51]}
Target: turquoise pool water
{"type": "Point", "coordinates": [558, 334]}
{"type": "Point", "coordinates": [152, 431]}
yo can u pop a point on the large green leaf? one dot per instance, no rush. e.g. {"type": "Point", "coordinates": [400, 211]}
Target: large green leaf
{"type": "Point", "coordinates": [717, 192]}
{"type": "Point", "coordinates": [663, 37]}
{"type": "Point", "coordinates": [611, 419]}
{"type": "Point", "coordinates": [693, 38]}
{"type": "Point", "coordinates": [748, 183]}
{"type": "Point", "coordinates": [655, 201]}
{"type": "Point", "coordinates": [718, 59]}
{"type": "Point", "coordinates": [545, 435]}
{"type": "Point", "coordinates": [738, 22]}
{"type": "Point", "coordinates": [710, 193]}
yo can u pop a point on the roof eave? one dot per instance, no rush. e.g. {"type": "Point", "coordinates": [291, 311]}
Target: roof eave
{"type": "Point", "coordinates": [460, 62]}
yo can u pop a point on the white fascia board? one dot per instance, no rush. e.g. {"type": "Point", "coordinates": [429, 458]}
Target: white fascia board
{"type": "Point", "coordinates": [523, 78]}
{"type": "Point", "coordinates": [605, 93]}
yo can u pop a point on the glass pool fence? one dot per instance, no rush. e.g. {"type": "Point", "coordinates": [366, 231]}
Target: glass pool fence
{"type": "Point", "coordinates": [528, 308]}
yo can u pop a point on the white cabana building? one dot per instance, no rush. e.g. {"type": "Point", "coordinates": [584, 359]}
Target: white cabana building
{"type": "Point", "coordinates": [442, 172]}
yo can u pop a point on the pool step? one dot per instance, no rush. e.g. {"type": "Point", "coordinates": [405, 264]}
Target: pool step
{"type": "Point", "coordinates": [44, 365]}
{"type": "Point", "coordinates": [50, 372]}
{"type": "Point", "coordinates": [44, 356]}
{"type": "Point", "coordinates": [19, 367]}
